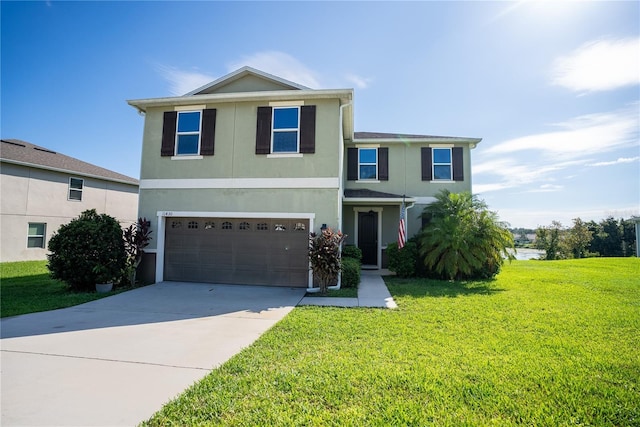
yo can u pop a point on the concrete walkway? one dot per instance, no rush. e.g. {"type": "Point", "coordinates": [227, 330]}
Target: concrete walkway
{"type": "Point", "coordinates": [372, 292]}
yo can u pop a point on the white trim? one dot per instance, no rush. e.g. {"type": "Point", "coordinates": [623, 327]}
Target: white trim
{"type": "Point", "coordinates": [296, 103]}
{"type": "Point", "coordinates": [284, 155]}
{"type": "Point", "coordinates": [187, 157]}
{"type": "Point", "coordinates": [425, 200]}
{"type": "Point", "coordinates": [189, 107]}
{"type": "Point", "coordinates": [441, 145]}
{"type": "Point", "coordinates": [274, 130]}
{"type": "Point", "coordinates": [367, 145]}
{"type": "Point", "coordinates": [163, 215]}
{"type": "Point", "coordinates": [366, 181]}
{"type": "Point", "coordinates": [378, 210]}
{"type": "Point", "coordinates": [178, 133]}
{"type": "Point", "coordinates": [236, 183]}
{"type": "Point", "coordinates": [434, 164]}
{"type": "Point", "coordinates": [368, 164]}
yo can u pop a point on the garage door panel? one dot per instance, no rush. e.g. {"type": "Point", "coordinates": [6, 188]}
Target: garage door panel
{"type": "Point", "coordinates": [242, 251]}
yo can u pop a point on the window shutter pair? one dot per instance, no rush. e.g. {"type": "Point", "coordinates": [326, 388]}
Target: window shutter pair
{"type": "Point", "coordinates": [207, 133]}
{"type": "Point", "coordinates": [307, 130]}
{"type": "Point", "coordinates": [456, 160]}
{"type": "Point", "coordinates": [383, 164]}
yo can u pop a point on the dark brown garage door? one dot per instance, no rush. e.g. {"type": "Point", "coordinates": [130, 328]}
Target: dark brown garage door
{"type": "Point", "coordinates": [237, 251]}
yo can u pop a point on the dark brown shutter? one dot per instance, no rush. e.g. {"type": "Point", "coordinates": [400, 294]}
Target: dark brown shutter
{"type": "Point", "coordinates": [263, 131]}
{"type": "Point", "coordinates": [208, 132]}
{"type": "Point", "coordinates": [169, 133]}
{"type": "Point", "coordinates": [352, 164]}
{"type": "Point", "coordinates": [383, 164]}
{"type": "Point", "coordinates": [308, 129]}
{"type": "Point", "coordinates": [458, 165]}
{"type": "Point", "coordinates": [425, 160]}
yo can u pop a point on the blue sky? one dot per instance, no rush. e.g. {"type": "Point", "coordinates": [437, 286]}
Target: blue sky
{"type": "Point", "coordinates": [553, 88]}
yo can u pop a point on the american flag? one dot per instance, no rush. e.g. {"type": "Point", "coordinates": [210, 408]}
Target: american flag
{"type": "Point", "coordinates": [402, 228]}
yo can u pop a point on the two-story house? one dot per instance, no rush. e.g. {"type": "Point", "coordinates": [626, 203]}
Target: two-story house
{"type": "Point", "coordinates": [236, 174]}
{"type": "Point", "coordinates": [43, 189]}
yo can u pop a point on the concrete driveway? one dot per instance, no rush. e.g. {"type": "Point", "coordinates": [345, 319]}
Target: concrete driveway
{"type": "Point", "coordinates": [117, 360]}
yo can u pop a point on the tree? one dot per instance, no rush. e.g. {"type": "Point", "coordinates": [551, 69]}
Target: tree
{"type": "Point", "coordinates": [577, 239]}
{"type": "Point", "coordinates": [85, 245]}
{"type": "Point", "coordinates": [324, 256]}
{"type": "Point", "coordinates": [462, 238]}
{"type": "Point", "coordinates": [548, 239]}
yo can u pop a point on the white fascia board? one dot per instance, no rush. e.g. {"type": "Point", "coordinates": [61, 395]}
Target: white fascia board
{"type": "Point", "coordinates": [240, 183]}
{"type": "Point", "coordinates": [377, 200]}
{"type": "Point", "coordinates": [281, 95]}
{"type": "Point", "coordinates": [69, 172]}
{"type": "Point", "coordinates": [434, 140]}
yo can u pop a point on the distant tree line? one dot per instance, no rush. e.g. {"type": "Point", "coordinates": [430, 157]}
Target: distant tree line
{"type": "Point", "coordinates": [608, 238]}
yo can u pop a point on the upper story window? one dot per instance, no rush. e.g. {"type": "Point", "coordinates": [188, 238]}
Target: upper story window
{"type": "Point", "coordinates": [36, 235]}
{"type": "Point", "coordinates": [188, 133]}
{"type": "Point", "coordinates": [286, 126]}
{"type": "Point", "coordinates": [442, 164]}
{"type": "Point", "coordinates": [368, 163]}
{"type": "Point", "coordinates": [286, 130]}
{"type": "Point", "coordinates": [76, 186]}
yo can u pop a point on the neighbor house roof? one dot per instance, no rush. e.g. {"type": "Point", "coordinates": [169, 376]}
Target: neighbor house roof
{"type": "Point", "coordinates": [24, 153]}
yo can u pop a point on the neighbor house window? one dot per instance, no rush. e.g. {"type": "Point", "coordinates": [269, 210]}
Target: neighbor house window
{"type": "Point", "coordinates": [368, 163]}
{"type": "Point", "coordinates": [75, 188]}
{"type": "Point", "coordinates": [442, 164]}
{"type": "Point", "coordinates": [188, 133]}
{"type": "Point", "coordinates": [286, 126]}
{"type": "Point", "coordinates": [36, 234]}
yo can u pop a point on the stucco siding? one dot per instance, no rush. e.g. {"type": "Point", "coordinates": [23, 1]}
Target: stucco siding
{"type": "Point", "coordinates": [32, 195]}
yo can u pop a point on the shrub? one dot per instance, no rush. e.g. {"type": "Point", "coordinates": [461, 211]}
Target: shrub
{"type": "Point", "coordinates": [403, 261]}
{"type": "Point", "coordinates": [352, 251]}
{"type": "Point", "coordinates": [89, 245]}
{"type": "Point", "coordinates": [350, 273]}
{"type": "Point", "coordinates": [324, 256]}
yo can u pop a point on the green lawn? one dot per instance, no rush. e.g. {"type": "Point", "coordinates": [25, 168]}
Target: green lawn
{"type": "Point", "coordinates": [25, 287]}
{"type": "Point", "coordinates": [547, 343]}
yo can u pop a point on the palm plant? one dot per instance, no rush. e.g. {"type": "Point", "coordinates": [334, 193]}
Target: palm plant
{"type": "Point", "coordinates": [462, 238]}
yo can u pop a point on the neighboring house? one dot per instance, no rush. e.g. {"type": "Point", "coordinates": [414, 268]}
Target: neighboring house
{"type": "Point", "coordinates": [237, 173]}
{"type": "Point", "coordinates": [42, 189]}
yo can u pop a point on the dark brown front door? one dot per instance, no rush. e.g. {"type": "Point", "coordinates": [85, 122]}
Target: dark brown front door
{"type": "Point", "coordinates": [368, 237]}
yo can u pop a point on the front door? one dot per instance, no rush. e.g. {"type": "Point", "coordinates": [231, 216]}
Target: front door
{"type": "Point", "coordinates": [368, 237]}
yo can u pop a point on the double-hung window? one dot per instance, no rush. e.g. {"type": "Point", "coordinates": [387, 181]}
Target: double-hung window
{"type": "Point", "coordinates": [442, 165]}
{"type": "Point", "coordinates": [286, 130]}
{"type": "Point", "coordinates": [188, 133]}
{"type": "Point", "coordinates": [36, 235]}
{"type": "Point", "coordinates": [368, 163]}
{"type": "Point", "coordinates": [76, 186]}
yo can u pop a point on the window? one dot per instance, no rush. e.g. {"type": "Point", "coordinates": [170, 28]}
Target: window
{"type": "Point", "coordinates": [188, 133]}
{"type": "Point", "coordinates": [368, 163]}
{"type": "Point", "coordinates": [36, 234]}
{"type": "Point", "coordinates": [227, 225]}
{"type": "Point", "coordinates": [245, 226]}
{"type": "Point", "coordinates": [75, 188]}
{"type": "Point", "coordinates": [442, 164]}
{"type": "Point", "coordinates": [209, 225]}
{"type": "Point", "coordinates": [286, 124]}
{"type": "Point", "coordinates": [262, 226]}
{"type": "Point", "coordinates": [193, 225]}
{"type": "Point", "coordinates": [286, 130]}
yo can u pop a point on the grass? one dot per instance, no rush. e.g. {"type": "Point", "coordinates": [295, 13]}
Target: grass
{"type": "Point", "coordinates": [545, 344]}
{"type": "Point", "coordinates": [25, 287]}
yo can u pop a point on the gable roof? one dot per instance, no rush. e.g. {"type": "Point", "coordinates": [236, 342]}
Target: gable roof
{"type": "Point", "coordinates": [276, 83]}
{"type": "Point", "coordinates": [26, 154]}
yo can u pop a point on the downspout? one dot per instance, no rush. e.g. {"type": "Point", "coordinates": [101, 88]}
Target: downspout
{"type": "Point", "coordinates": [340, 181]}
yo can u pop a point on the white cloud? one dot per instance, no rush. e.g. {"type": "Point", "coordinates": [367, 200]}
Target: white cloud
{"type": "Point", "coordinates": [616, 162]}
{"type": "Point", "coordinates": [547, 188]}
{"type": "Point", "coordinates": [359, 82]}
{"type": "Point", "coordinates": [279, 64]}
{"type": "Point", "coordinates": [581, 136]}
{"type": "Point", "coordinates": [181, 82]}
{"type": "Point", "coordinates": [599, 65]}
